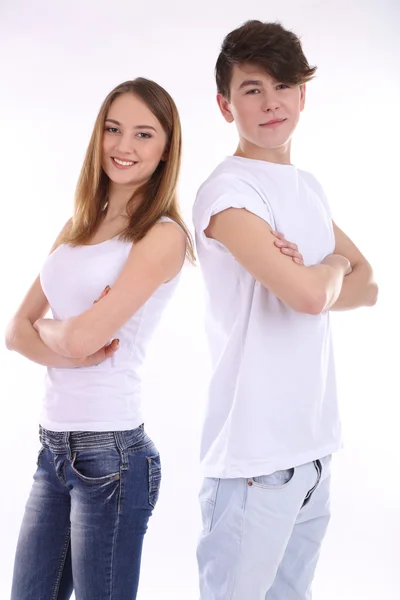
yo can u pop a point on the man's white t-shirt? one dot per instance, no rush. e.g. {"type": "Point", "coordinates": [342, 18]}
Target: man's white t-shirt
{"type": "Point", "coordinates": [272, 398]}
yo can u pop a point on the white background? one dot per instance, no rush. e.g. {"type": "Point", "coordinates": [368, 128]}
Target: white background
{"type": "Point", "coordinates": [58, 62]}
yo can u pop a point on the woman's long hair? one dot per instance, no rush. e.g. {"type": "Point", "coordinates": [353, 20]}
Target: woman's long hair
{"type": "Point", "coordinates": [158, 195]}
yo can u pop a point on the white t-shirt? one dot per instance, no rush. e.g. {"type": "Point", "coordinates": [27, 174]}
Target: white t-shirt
{"type": "Point", "coordinates": [106, 397]}
{"type": "Point", "coordinates": [272, 398]}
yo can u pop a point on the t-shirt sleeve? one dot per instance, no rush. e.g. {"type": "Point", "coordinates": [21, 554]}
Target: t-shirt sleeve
{"type": "Point", "coordinates": [226, 192]}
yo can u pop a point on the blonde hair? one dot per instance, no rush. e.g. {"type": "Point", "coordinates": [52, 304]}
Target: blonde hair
{"type": "Point", "coordinates": [158, 195]}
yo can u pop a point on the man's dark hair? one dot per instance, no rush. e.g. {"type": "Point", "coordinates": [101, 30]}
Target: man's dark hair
{"type": "Point", "coordinates": [270, 46]}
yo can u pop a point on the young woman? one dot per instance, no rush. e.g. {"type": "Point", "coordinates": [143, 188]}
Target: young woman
{"type": "Point", "coordinates": [107, 281]}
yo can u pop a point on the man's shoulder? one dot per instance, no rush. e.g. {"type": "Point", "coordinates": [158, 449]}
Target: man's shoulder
{"type": "Point", "coordinates": [228, 175]}
{"type": "Point", "coordinates": [311, 180]}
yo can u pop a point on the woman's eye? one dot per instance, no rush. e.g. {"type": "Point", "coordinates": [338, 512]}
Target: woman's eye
{"type": "Point", "coordinates": [144, 135]}
{"type": "Point", "coordinates": [112, 129]}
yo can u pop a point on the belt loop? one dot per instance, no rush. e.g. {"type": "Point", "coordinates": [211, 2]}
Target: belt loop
{"type": "Point", "coordinates": [121, 445]}
{"type": "Point", "coordinates": [67, 442]}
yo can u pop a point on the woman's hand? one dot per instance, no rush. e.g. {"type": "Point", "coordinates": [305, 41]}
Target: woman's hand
{"type": "Point", "coordinates": [98, 357]}
{"type": "Point", "coordinates": [105, 352]}
{"type": "Point", "coordinates": [48, 331]}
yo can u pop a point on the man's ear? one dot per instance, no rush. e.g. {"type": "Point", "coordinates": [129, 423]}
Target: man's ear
{"type": "Point", "coordinates": [224, 107]}
{"type": "Point", "coordinates": [302, 96]}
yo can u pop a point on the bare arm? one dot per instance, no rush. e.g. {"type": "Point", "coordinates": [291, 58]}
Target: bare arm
{"type": "Point", "coordinates": [154, 260]}
{"type": "Point", "coordinates": [21, 336]}
{"type": "Point", "coordinates": [249, 238]}
{"type": "Point", "coordinates": [359, 287]}
{"type": "Point", "coordinates": [20, 333]}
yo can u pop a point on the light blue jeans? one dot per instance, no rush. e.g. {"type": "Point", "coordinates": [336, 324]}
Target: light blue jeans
{"type": "Point", "coordinates": [86, 516]}
{"type": "Point", "coordinates": [262, 536]}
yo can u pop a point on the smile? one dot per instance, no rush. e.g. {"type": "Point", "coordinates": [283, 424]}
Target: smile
{"type": "Point", "coordinates": [122, 164]}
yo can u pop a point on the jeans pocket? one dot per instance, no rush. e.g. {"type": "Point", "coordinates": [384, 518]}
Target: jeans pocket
{"type": "Point", "coordinates": [39, 456]}
{"type": "Point", "coordinates": [97, 466]}
{"type": "Point", "coordinates": [275, 481]}
{"type": "Point", "coordinates": [208, 499]}
{"type": "Point", "coordinates": [154, 463]}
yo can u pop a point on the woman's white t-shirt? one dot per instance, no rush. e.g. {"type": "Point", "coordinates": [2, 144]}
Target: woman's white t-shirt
{"type": "Point", "coordinates": [106, 397]}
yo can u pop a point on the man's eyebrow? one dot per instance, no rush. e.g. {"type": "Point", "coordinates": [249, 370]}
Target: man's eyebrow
{"type": "Point", "coordinates": [249, 82]}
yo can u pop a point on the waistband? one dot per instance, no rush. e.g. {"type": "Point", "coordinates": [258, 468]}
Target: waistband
{"type": "Point", "coordinates": [65, 442]}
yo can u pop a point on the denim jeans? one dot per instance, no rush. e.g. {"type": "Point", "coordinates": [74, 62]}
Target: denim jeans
{"type": "Point", "coordinates": [262, 535]}
{"type": "Point", "coordinates": [86, 516]}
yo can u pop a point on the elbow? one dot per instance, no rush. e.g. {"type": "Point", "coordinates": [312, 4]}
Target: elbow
{"type": "Point", "coordinates": [314, 305]}
{"type": "Point", "coordinates": [10, 337]}
{"type": "Point", "coordinates": [312, 302]}
{"type": "Point", "coordinates": [372, 294]}
{"type": "Point", "coordinates": [71, 342]}
{"type": "Point", "coordinates": [77, 344]}
{"type": "Point", "coordinates": [9, 343]}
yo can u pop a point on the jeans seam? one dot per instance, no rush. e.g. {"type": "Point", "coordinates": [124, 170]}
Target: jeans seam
{"type": "Point", "coordinates": [245, 490]}
{"type": "Point", "coordinates": [120, 490]}
{"type": "Point", "coordinates": [114, 540]}
{"type": "Point", "coordinates": [213, 502]}
{"type": "Point", "coordinates": [62, 564]}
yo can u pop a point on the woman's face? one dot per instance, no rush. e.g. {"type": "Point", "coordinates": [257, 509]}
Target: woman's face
{"type": "Point", "coordinates": [133, 142]}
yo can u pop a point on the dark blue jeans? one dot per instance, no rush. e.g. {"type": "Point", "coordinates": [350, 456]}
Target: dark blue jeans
{"type": "Point", "coordinates": [86, 517]}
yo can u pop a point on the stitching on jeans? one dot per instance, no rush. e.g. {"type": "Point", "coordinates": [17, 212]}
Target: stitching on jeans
{"type": "Point", "coordinates": [213, 502]}
{"type": "Point", "coordinates": [114, 537]}
{"type": "Point", "coordinates": [120, 490]}
{"type": "Point", "coordinates": [244, 481]}
{"type": "Point", "coordinates": [135, 449]}
{"type": "Point", "coordinates": [62, 564]}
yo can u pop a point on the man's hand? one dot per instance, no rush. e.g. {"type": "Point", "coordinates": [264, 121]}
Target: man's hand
{"type": "Point", "coordinates": [338, 261]}
{"type": "Point", "coordinates": [291, 249]}
{"type": "Point", "coordinates": [288, 248]}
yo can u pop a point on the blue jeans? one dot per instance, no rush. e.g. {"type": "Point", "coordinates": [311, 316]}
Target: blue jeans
{"type": "Point", "coordinates": [262, 535]}
{"type": "Point", "coordinates": [86, 517]}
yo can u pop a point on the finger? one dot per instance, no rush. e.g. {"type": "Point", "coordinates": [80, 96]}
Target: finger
{"type": "Point", "coordinates": [298, 261]}
{"type": "Point", "coordinates": [278, 234]}
{"type": "Point", "coordinates": [103, 293]}
{"type": "Point", "coordinates": [286, 244]}
{"type": "Point", "coordinates": [291, 252]}
{"type": "Point", "coordinates": [111, 348]}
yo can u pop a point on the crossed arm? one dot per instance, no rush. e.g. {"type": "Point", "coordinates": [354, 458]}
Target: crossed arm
{"type": "Point", "coordinates": [359, 288]}
{"type": "Point", "coordinates": [154, 260]}
{"type": "Point", "coordinates": [342, 281]}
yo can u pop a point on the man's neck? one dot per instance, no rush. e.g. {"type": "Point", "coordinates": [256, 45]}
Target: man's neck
{"type": "Point", "coordinates": [279, 156]}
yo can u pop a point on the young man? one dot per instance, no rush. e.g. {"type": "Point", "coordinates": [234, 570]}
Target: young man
{"type": "Point", "coordinates": [272, 422]}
